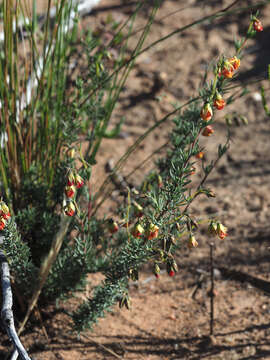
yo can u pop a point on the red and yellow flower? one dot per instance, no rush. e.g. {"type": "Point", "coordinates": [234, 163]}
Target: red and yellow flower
{"type": "Point", "coordinates": [219, 102]}
{"type": "Point", "coordinates": [78, 181]}
{"type": "Point", "coordinates": [257, 25]}
{"type": "Point", "coordinates": [235, 62]}
{"type": "Point", "coordinates": [137, 231]}
{"type": "Point", "coordinates": [208, 131]}
{"type": "Point", "coordinates": [206, 112]}
{"type": "Point", "coordinates": [70, 191]}
{"type": "Point", "coordinates": [69, 209]}
{"type": "Point", "coordinates": [152, 232]}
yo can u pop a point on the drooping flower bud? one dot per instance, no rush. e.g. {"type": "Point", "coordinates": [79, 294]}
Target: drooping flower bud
{"type": "Point", "coordinates": [221, 231]}
{"type": "Point", "coordinates": [160, 182]}
{"type": "Point", "coordinates": [172, 267]}
{"type": "Point", "coordinates": [206, 112]}
{"type": "Point", "coordinates": [2, 223]}
{"type": "Point", "coordinates": [257, 25]}
{"type": "Point", "coordinates": [216, 228]}
{"type": "Point", "coordinates": [137, 231]}
{"type": "Point", "coordinates": [152, 232]}
{"type": "Point", "coordinates": [69, 209]}
{"type": "Point", "coordinates": [112, 226]}
{"type": "Point", "coordinates": [78, 181]}
{"type": "Point", "coordinates": [208, 131]}
{"type": "Point", "coordinates": [70, 191]}
{"type": "Point", "coordinates": [192, 242]}
{"type": "Point", "coordinates": [138, 209]}
{"type": "Point", "coordinates": [157, 271]}
{"type": "Point", "coordinates": [219, 102]}
{"type": "Point", "coordinates": [4, 211]}
{"type": "Point", "coordinates": [212, 228]}
{"type": "Point", "coordinates": [235, 62]}
{"type": "Point", "coordinates": [71, 179]}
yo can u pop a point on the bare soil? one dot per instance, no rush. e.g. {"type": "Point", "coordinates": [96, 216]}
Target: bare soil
{"type": "Point", "coordinates": [170, 317]}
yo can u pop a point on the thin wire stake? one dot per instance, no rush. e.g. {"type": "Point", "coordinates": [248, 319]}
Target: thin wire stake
{"type": "Point", "coordinates": [211, 245]}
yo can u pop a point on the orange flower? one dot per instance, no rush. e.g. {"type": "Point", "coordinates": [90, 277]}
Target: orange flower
{"type": "Point", "coordinates": [227, 70]}
{"type": "Point", "coordinates": [235, 62]}
{"type": "Point", "coordinates": [219, 102]}
{"type": "Point", "coordinates": [257, 25]}
{"type": "Point", "coordinates": [69, 209]}
{"type": "Point", "coordinates": [152, 232]}
{"type": "Point", "coordinates": [206, 112]}
{"type": "Point", "coordinates": [208, 131]}
{"type": "Point", "coordinates": [199, 155]}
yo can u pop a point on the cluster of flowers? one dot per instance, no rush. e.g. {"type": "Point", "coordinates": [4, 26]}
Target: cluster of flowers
{"type": "Point", "coordinates": [216, 228]}
{"type": "Point", "coordinates": [74, 181]}
{"type": "Point", "coordinates": [4, 215]}
{"type": "Point", "coordinates": [227, 71]}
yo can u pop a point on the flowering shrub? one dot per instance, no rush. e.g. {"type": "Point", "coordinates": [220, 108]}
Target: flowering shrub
{"type": "Point", "coordinates": [54, 231]}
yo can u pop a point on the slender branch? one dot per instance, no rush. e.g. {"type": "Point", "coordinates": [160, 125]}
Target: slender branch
{"type": "Point", "coordinates": [6, 312]}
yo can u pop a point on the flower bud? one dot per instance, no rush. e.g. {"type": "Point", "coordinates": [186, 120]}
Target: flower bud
{"type": "Point", "coordinates": [219, 102]}
{"type": "Point", "coordinates": [172, 267]}
{"type": "Point", "coordinates": [78, 181]}
{"type": "Point", "coordinates": [152, 232]}
{"type": "Point", "coordinates": [71, 179]}
{"type": "Point", "coordinates": [160, 182]}
{"type": "Point", "coordinates": [4, 211]}
{"type": "Point", "coordinates": [112, 226]}
{"type": "Point", "coordinates": [138, 209]}
{"type": "Point", "coordinates": [70, 191]}
{"type": "Point", "coordinates": [137, 231]}
{"type": "Point", "coordinates": [216, 228]}
{"type": "Point", "coordinates": [257, 25]}
{"type": "Point", "coordinates": [221, 231]}
{"type": "Point", "coordinates": [71, 153]}
{"type": "Point", "coordinates": [206, 112]}
{"type": "Point", "coordinates": [157, 271]}
{"type": "Point", "coordinates": [192, 242]}
{"type": "Point", "coordinates": [208, 131]}
{"type": "Point", "coordinates": [69, 209]}
{"type": "Point", "coordinates": [212, 228]}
